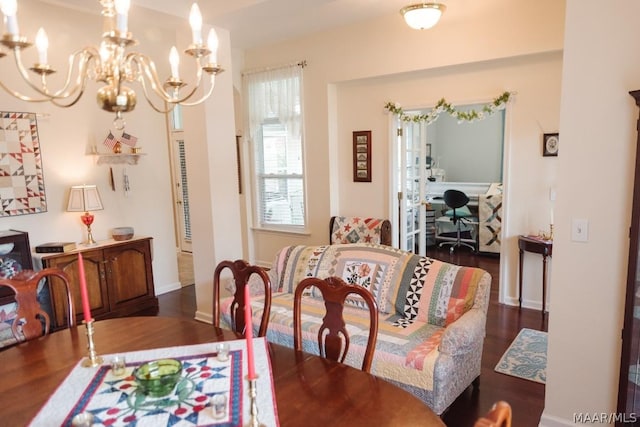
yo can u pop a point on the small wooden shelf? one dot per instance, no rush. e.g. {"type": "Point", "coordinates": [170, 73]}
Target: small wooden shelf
{"type": "Point", "coordinates": [123, 158]}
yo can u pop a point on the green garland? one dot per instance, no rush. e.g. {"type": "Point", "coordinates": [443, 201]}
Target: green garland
{"type": "Point", "coordinates": [443, 106]}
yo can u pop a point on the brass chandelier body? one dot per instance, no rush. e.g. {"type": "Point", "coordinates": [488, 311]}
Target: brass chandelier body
{"type": "Point", "coordinates": [112, 64]}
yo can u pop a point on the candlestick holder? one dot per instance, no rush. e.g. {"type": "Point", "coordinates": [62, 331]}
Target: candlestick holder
{"type": "Point", "coordinates": [253, 396]}
{"type": "Point", "coordinates": [93, 360]}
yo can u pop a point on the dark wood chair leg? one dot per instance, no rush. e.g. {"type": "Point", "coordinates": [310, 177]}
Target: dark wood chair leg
{"type": "Point", "coordinates": [476, 383]}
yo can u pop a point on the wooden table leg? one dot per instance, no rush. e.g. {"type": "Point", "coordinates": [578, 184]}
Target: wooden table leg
{"type": "Point", "coordinates": [544, 283]}
{"type": "Point", "coordinates": [520, 280]}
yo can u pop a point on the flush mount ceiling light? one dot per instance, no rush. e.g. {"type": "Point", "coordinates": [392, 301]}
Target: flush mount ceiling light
{"type": "Point", "coordinates": [422, 16]}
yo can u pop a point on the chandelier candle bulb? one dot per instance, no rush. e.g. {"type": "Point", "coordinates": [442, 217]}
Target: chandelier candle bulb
{"type": "Point", "coordinates": [174, 60]}
{"type": "Point", "coordinates": [42, 44]}
{"type": "Point", "coordinates": [10, 9]}
{"type": "Point", "coordinates": [195, 20]}
{"type": "Point", "coordinates": [248, 333]}
{"type": "Point", "coordinates": [122, 12]}
{"type": "Point", "coordinates": [212, 44]}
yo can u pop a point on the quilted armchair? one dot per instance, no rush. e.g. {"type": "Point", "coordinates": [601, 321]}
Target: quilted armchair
{"type": "Point", "coordinates": [354, 229]}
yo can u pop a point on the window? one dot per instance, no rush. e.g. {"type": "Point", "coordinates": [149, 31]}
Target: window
{"type": "Point", "coordinates": [275, 128]}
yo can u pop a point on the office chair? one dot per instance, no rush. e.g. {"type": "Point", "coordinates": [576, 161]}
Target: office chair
{"type": "Point", "coordinates": [456, 200]}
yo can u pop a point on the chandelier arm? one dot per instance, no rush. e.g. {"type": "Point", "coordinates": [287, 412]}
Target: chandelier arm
{"type": "Point", "coordinates": [195, 86]}
{"type": "Point", "coordinates": [150, 102]}
{"type": "Point", "coordinates": [149, 69]}
{"type": "Point", "coordinates": [57, 103]}
{"type": "Point", "coordinates": [212, 84]}
{"type": "Point", "coordinates": [21, 96]}
{"type": "Point", "coordinates": [145, 67]}
{"type": "Point", "coordinates": [84, 55]}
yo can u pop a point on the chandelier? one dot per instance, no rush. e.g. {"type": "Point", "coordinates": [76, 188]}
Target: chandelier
{"type": "Point", "coordinates": [422, 16]}
{"type": "Point", "coordinates": [113, 65]}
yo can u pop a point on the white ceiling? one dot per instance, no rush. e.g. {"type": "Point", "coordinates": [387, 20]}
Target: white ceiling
{"type": "Point", "coordinates": [253, 23]}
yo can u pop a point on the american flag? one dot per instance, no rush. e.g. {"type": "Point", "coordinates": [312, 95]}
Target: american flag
{"type": "Point", "coordinates": [128, 139]}
{"type": "Point", "coordinates": [110, 141]}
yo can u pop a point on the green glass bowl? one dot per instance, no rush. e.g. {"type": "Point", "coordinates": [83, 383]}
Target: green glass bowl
{"type": "Point", "coordinates": [158, 377]}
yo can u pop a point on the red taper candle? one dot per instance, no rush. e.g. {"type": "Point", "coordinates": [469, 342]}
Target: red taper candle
{"type": "Point", "coordinates": [248, 333]}
{"type": "Point", "coordinates": [86, 308]}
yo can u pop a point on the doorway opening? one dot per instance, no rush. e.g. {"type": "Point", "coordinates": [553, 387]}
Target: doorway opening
{"type": "Point", "coordinates": [180, 193]}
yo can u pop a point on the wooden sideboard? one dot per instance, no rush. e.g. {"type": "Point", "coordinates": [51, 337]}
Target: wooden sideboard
{"type": "Point", "coordinates": [119, 279]}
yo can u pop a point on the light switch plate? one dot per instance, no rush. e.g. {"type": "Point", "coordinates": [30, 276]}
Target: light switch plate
{"type": "Point", "coordinates": [580, 230]}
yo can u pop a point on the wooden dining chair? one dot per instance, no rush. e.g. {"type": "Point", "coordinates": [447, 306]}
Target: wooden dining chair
{"type": "Point", "coordinates": [32, 321]}
{"type": "Point", "coordinates": [498, 416]}
{"type": "Point", "coordinates": [242, 272]}
{"type": "Point", "coordinates": [333, 338]}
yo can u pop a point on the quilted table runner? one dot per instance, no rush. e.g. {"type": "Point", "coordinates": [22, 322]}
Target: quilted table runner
{"type": "Point", "coordinates": [114, 400]}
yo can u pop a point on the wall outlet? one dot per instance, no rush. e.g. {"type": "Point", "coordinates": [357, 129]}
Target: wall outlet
{"type": "Point", "coordinates": [580, 230]}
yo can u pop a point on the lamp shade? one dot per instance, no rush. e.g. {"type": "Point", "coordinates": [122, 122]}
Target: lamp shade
{"type": "Point", "coordinates": [84, 198]}
{"type": "Point", "coordinates": [422, 16]}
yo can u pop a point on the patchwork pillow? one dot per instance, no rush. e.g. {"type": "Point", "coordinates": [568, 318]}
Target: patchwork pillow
{"type": "Point", "coordinates": [449, 291]}
{"type": "Point", "coordinates": [360, 273]}
{"type": "Point", "coordinates": [294, 263]}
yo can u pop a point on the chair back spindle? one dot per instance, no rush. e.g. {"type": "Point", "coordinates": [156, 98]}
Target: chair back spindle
{"type": "Point", "coordinates": [242, 272]}
{"type": "Point", "coordinates": [333, 337]}
{"type": "Point", "coordinates": [31, 320]}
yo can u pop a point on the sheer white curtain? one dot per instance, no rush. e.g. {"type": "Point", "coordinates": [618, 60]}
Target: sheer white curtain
{"type": "Point", "coordinates": [274, 95]}
{"type": "Point", "coordinates": [273, 100]}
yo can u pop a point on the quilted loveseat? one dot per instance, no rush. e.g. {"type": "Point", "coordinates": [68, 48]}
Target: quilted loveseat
{"type": "Point", "coordinates": [432, 314]}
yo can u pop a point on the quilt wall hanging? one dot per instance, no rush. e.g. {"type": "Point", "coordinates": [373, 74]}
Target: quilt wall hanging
{"type": "Point", "coordinates": [21, 179]}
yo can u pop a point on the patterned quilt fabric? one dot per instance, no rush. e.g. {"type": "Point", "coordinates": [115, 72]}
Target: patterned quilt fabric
{"type": "Point", "coordinates": [405, 354]}
{"type": "Point", "coordinates": [417, 297]}
{"type": "Point", "coordinates": [355, 229]}
{"type": "Point", "coordinates": [397, 279]}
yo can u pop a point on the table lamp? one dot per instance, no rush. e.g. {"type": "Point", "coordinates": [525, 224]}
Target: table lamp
{"type": "Point", "coordinates": [85, 198]}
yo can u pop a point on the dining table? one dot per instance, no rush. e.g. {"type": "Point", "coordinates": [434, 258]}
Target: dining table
{"type": "Point", "coordinates": [309, 390]}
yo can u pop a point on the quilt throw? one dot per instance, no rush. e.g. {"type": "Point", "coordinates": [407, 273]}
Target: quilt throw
{"type": "Point", "coordinates": [21, 177]}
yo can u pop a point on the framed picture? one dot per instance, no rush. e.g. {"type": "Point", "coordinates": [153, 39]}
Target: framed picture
{"type": "Point", "coordinates": [550, 144]}
{"type": "Point", "coordinates": [362, 156]}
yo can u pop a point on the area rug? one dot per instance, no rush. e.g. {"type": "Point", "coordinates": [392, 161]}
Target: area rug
{"type": "Point", "coordinates": [526, 357]}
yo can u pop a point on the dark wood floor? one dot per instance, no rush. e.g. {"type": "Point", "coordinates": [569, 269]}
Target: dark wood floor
{"type": "Point", "coordinates": [503, 324]}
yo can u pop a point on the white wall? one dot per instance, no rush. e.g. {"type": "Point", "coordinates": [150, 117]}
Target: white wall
{"type": "Point", "coordinates": [465, 58]}
{"type": "Point", "coordinates": [598, 133]}
{"type": "Point", "coordinates": [213, 182]}
{"type": "Point", "coordinates": [68, 135]}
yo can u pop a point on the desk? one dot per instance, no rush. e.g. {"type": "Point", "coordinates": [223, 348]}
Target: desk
{"type": "Point", "coordinates": [537, 246]}
{"type": "Point", "coordinates": [310, 390]}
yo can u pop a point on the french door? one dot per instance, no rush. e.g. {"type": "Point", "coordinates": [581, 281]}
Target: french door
{"type": "Point", "coordinates": [409, 180]}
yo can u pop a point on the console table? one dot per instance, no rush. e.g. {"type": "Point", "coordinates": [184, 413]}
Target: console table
{"type": "Point", "coordinates": [538, 246]}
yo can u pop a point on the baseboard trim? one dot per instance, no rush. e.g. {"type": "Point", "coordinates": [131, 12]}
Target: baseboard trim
{"type": "Point", "coordinates": [163, 289]}
{"type": "Point", "coordinates": [552, 421]}
{"type": "Point", "coordinates": [204, 317]}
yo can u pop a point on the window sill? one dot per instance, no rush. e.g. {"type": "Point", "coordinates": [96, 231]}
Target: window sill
{"type": "Point", "coordinates": [276, 230]}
